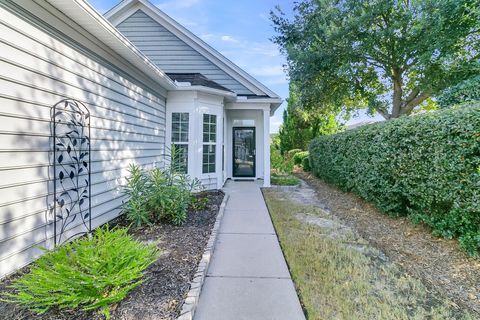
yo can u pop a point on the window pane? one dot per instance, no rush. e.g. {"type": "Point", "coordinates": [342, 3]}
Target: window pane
{"type": "Point", "coordinates": [180, 158]}
{"type": "Point", "coordinates": [175, 137]}
{"type": "Point", "coordinates": [209, 136]}
{"type": "Point", "coordinates": [180, 127]}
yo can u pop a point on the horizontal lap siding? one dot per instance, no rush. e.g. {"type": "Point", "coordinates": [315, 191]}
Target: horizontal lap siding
{"type": "Point", "coordinates": [127, 126]}
{"type": "Point", "coordinates": [170, 53]}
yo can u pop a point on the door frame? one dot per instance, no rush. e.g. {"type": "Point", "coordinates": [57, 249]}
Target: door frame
{"type": "Point", "coordinates": [233, 152]}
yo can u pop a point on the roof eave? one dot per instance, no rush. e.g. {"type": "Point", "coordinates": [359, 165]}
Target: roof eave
{"type": "Point", "coordinates": [92, 21]}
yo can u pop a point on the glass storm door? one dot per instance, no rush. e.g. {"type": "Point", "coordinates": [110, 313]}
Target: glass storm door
{"type": "Point", "coordinates": [244, 152]}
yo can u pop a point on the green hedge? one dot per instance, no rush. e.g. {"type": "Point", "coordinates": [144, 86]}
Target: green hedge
{"type": "Point", "coordinates": [425, 166]}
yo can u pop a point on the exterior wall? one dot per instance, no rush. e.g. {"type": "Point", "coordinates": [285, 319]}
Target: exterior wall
{"type": "Point", "coordinates": [170, 53]}
{"type": "Point", "coordinates": [246, 114]}
{"type": "Point", "coordinates": [39, 67]}
{"type": "Point", "coordinates": [197, 104]}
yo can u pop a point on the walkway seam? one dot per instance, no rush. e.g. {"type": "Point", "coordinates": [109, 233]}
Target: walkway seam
{"type": "Point", "coordinates": [249, 277]}
{"type": "Point", "coordinates": [190, 304]}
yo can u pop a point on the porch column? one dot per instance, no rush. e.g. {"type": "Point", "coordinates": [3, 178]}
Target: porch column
{"type": "Point", "coordinates": [266, 147]}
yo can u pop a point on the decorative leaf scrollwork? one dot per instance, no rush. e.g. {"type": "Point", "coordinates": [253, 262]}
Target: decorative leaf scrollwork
{"type": "Point", "coordinates": [72, 169]}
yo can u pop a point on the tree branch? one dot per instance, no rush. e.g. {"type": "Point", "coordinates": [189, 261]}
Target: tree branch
{"type": "Point", "coordinates": [408, 107]}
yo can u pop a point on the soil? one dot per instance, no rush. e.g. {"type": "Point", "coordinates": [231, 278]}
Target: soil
{"type": "Point", "coordinates": [439, 263]}
{"type": "Point", "coordinates": [167, 280]}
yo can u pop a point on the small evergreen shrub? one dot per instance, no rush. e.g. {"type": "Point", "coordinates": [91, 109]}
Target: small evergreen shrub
{"type": "Point", "coordinates": [291, 153]}
{"type": "Point", "coordinates": [302, 159]}
{"type": "Point", "coordinates": [306, 164]}
{"type": "Point", "coordinates": [280, 163]}
{"type": "Point", "coordinates": [425, 166]}
{"type": "Point", "coordinates": [158, 195]}
{"type": "Point", "coordinates": [298, 157]}
{"type": "Point", "coordinates": [88, 273]}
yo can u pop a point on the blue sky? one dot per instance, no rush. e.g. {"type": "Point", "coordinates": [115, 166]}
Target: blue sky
{"type": "Point", "coordinates": [240, 30]}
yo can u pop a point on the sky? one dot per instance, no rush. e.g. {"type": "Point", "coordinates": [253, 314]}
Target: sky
{"type": "Point", "coordinates": [240, 30]}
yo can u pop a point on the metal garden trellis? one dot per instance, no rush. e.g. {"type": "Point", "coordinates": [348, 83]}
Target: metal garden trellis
{"type": "Point", "coordinates": [70, 126]}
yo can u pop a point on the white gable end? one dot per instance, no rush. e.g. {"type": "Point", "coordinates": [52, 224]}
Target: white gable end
{"type": "Point", "coordinates": [171, 54]}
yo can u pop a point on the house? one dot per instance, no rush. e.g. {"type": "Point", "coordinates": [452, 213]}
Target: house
{"type": "Point", "coordinates": [128, 86]}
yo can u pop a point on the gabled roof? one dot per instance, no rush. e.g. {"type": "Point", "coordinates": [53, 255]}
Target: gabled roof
{"type": "Point", "coordinates": [128, 7]}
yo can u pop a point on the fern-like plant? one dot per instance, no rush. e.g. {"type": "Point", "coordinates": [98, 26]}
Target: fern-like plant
{"type": "Point", "coordinates": [88, 273]}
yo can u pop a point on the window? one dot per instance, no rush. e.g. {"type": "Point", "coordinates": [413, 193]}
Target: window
{"type": "Point", "coordinates": [180, 141]}
{"type": "Point", "coordinates": [209, 142]}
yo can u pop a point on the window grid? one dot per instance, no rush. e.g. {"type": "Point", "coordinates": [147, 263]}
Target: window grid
{"type": "Point", "coordinates": [209, 143]}
{"type": "Point", "coordinates": [180, 130]}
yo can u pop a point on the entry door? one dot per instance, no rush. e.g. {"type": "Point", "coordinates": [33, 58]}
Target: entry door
{"type": "Point", "coordinates": [244, 152]}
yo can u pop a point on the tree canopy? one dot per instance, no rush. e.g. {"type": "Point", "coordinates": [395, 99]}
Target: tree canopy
{"type": "Point", "coordinates": [387, 56]}
{"type": "Point", "coordinates": [301, 125]}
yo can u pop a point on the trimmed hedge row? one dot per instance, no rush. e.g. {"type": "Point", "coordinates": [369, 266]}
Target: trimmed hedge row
{"type": "Point", "coordinates": [425, 166]}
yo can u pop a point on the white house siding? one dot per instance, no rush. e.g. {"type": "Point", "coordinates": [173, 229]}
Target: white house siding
{"type": "Point", "coordinates": [39, 67]}
{"type": "Point", "coordinates": [170, 53]}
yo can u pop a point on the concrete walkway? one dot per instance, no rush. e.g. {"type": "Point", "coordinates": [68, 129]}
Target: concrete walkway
{"type": "Point", "coordinates": [248, 277]}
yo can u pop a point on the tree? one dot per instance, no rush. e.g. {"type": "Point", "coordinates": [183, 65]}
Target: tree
{"type": "Point", "coordinates": [388, 56]}
{"type": "Point", "coordinates": [300, 125]}
{"type": "Point", "coordinates": [466, 91]}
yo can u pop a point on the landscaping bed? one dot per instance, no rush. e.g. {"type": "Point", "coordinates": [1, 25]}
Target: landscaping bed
{"type": "Point", "coordinates": [438, 262]}
{"type": "Point", "coordinates": [166, 280]}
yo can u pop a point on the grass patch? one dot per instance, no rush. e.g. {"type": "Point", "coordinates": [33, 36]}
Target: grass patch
{"type": "Point", "coordinates": [336, 281]}
{"type": "Point", "coordinates": [90, 273]}
{"type": "Point", "coordinates": [284, 180]}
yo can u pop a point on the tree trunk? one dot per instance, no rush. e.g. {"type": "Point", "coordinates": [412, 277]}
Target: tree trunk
{"type": "Point", "coordinates": [402, 106]}
{"type": "Point", "coordinates": [397, 93]}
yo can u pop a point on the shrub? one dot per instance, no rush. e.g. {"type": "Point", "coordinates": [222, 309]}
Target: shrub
{"type": "Point", "coordinates": [306, 164]}
{"type": "Point", "coordinates": [466, 91]}
{"type": "Point", "coordinates": [291, 153]}
{"type": "Point", "coordinates": [279, 163]}
{"type": "Point", "coordinates": [425, 166]}
{"type": "Point", "coordinates": [299, 156]}
{"type": "Point", "coordinates": [90, 273]}
{"type": "Point", "coordinates": [158, 194]}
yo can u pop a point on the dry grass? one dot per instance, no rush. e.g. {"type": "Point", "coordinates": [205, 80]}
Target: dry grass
{"type": "Point", "coordinates": [338, 278]}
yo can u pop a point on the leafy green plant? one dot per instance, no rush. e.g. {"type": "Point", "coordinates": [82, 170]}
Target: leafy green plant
{"type": "Point", "coordinates": [158, 194]}
{"type": "Point", "coordinates": [306, 163]}
{"type": "Point", "coordinates": [199, 202]}
{"type": "Point", "coordinates": [299, 156]}
{"type": "Point", "coordinates": [136, 188]}
{"type": "Point", "coordinates": [89, 273]}
{"type": "Point", "coordinates": [466, 91]}
{"type": "Point", "coordinates": [278, 162]}
{"type": "Point", "coordinates": [425, 166]}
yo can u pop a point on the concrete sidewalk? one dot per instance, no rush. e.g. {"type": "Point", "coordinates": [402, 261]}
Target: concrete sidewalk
{"type": "Point", "coordinates": [247, 277]}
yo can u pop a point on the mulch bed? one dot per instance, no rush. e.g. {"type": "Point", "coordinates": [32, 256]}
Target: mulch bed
{"type": "Point", "coordinates": [439, 263]}
{"type": "Point", "coordinates": [161, 296]}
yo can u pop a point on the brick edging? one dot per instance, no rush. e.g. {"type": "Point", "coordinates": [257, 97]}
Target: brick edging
{"type": "Point", "coordinates": [193, 295]}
